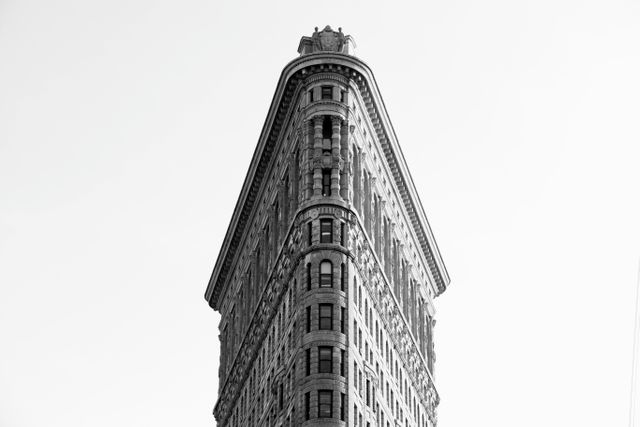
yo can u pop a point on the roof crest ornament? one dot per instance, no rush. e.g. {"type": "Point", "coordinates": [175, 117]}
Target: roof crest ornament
{"type": "Point", "coordinates": [327, 40]}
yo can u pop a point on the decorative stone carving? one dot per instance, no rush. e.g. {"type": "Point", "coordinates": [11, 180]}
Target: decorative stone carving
{"type": "Point", "coordinates": [326, 40]}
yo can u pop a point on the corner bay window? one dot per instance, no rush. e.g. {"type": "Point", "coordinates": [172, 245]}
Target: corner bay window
{"type": "Point", "coordinates": [325, 360]}
{"type": "Point", "coordinates": [326, 274]}
{"type": "Point", "coordinates": [325, 403]}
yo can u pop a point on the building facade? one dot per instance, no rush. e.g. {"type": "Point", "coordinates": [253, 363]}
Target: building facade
{"type": "Point", "coordinates": [327, 274]}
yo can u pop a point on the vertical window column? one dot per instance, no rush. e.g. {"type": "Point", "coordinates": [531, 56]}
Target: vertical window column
{"type": "Point", "coordinates": [317, 155]}
{"type": "Point", "coordinates": [344, 153]}
{"type": "Point", "coordinates": [335, 154]}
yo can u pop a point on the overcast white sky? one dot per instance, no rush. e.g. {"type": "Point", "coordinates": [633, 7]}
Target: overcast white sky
{"type": "Point", "coordinates": [126, 129]}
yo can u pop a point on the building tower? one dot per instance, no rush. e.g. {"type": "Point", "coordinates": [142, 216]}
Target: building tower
{"type": "Point", "coordinates": [327, 274]}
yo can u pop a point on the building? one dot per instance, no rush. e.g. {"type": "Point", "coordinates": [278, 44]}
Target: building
{"type": "Point", "coordinates": [327, 274]}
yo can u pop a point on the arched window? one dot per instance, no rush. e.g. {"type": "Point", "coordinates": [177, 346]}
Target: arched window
{"type": "Point", "coordinates": [326, 274]}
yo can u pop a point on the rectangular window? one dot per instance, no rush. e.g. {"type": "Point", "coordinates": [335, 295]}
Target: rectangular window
{"type": "Point", "coordinates": [325, 403]}
{"type": "Point", "coordinates": [342, 93]}
{"type": "Point", "coordinates": [326, 317]}
{"type": "Point", "coordinates": [342, 362]}
{"type": "Point", "coordinates": [355, 375]}
{"type": "Point", "coordinates": [368, 397]}
{"type": "Point", "coordinates": [326, 182]}
{"type": "Point", "coordinates": [311, 95]}
{"type": "Point", "coordinates": [326, 231]}
{"type": "Point", "coordinates": [308, 319]}
{"type": "Point", "coordinates": [343, 279]}
{"type": "Point", "coordinates": [309, 233]}
{"type": "Point", "coordinates": [325, 360]}
{"type": "Point", "coordinates": [307, 405]}
{"type": "Point", "coordinates": [343, 320]}
{"type": "Point", "coordinates": [342, 406]}
{"type": "Point", "coordinates": [308, 360]}
{"type": "Point", "coordinates": [327, 92]}
{"type": "Point", "coordinates": [342, 236]}
{"type": "Point", "coordinates": [309, 276]}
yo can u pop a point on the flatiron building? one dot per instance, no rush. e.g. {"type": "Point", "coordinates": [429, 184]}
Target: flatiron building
{"type": "Point", "coordinates": [328, 272]}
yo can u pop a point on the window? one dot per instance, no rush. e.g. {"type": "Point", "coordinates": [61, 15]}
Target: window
{"type": "Point", "coordinates": [325, 360]}
{"type": "Point", "coordinates": [307, 405]}
{"type": "Point", "coordinates": [326, 231]}
{"type": "Point", "coordinates": [368, 397]}
{"type": "Point", "coordinates": [326, 317]}
{"type": "Point", "coordinates": [343, 319]}
{"type": "Point", "coordinates": [309, 234]}
{"type": "Point", "coordinates": [311, 95]}
{"type": "Point", "coordinates": [342, 234]}
{"type": "Point", "coordinates": [326, 182]}
{"type": "Point", "coordinates": [309, 319]}
{"type": "Point", "coordinates": [327, 130]}
{"type": "Point", "coordinates": [326, 274]}
{"type": "Point", "coordinates": [325, 403]}
{"type": "Point", "coordinates": [342, 362]}
{"type": "Point", "coordinates": [327, 92]}
{"type": "Point", "coordinates": [308, 360]}
{"type": "Point", "coordinates": [342, 277]}
{"type": "Point", "coordinates": [309, 276]}
{"type": "Point", "coordinates": [342, 406]}
{"type": "Point", "coordinates": [342, 93]}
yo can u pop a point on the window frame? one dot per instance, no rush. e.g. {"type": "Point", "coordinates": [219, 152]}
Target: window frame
{"type": "Point", "coordinates": [326, 182]}
{"type": "Point", "coordinates": [328, 411]}
{"type": "Point", "coordinates": [329, 318]}
{"type": "Point", "coordinates": [325, 279]}
{"type": "Point", "coordinates": [326, 236]}
{"type": "Point", "coordinates": [325, 360]}
{"type": "Point", "coordinates": [326, 92]}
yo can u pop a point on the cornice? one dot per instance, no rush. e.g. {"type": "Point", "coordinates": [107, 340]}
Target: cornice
{"type": "Point", "coordinates": [293, 73]}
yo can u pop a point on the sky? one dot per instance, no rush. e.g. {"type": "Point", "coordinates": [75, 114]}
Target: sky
{"type": "Point", "coordinates": [126, 130]}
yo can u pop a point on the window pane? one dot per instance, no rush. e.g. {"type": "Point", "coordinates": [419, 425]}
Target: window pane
{"type": "Point", "coordinates": [326, 273]}
{"type": "Point", "coordinates": [325, 267]}
{"type": "Point", "coordinates": [327, 92]}
{"type": "Point", "coordinates": [325, 400]}
{"type": "Point", "coordinates": [325, 359]}
{"type": "Point", "coordinates": [326, 182]}
{"type": "Point", "coordinates": [326, 231]}
{"type": "Point", "coordinates": [326, 316]}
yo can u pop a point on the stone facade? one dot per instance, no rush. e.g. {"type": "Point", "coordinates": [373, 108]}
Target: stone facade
{"type": "Point", "coordinates": [326, 278]}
